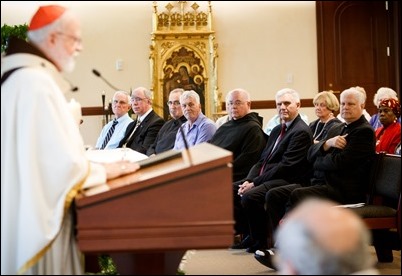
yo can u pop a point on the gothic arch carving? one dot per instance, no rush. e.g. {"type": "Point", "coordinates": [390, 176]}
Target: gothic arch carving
{"type": "Point", "coordinates": [183, 53]}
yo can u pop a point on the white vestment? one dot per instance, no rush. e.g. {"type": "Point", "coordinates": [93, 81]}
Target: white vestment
{"type": "Point", "coordinates": [43, 166]}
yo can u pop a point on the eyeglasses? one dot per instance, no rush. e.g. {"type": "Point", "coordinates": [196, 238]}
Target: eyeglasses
{"type": "Point", "coordinates": [236, 103]}
{"type": "Point", "coordinates": [137, 99]}
{"type": "Point", "coordinates": [76, 39]}
{"type": "Point", "coordinates": [175, 103]}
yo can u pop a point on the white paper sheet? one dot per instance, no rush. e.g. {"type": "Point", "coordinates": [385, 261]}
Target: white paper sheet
{"type": "Point", "coordinates": [113, 155]}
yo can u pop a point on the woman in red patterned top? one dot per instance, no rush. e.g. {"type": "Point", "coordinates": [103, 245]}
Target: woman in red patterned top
{"type": "Point", "coordinates": [389, 135]}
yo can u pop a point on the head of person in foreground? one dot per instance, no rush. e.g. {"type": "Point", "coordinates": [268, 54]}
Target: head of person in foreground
{"type": "Point", "coordinates": [319, 238]}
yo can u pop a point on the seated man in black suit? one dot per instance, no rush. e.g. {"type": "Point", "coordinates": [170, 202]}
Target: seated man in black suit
{"type": "Point", "coordinates": [167, 134]}
{"type": "Point", "coordinates": [283, 161]}
{"type": "Point", "coordinates": [141, 133]}
{"type": "Point", "coordinates": [341, 163]}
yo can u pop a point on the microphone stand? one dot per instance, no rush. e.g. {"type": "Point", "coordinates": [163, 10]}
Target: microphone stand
{"type": "Point", "coordinates": [107, 112]}
{"type": "Point", "coordinates": [104, 108]}
{"type": "Point", "coordinates": [96, 73]}
{"type": "Point", "coordinates": [72, 87]}
{"type": "Point", "coordinates": [110, 110]}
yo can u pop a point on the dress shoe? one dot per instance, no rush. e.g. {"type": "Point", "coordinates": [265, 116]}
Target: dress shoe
{"type": "Point", "coordinates": [237, 238]}
{"type": "Point", "coordinates": [258, 245]}
{"type": "Point", "coordinates": [265, 257]}
{"type": "Point", "coordinates": [245, 243]}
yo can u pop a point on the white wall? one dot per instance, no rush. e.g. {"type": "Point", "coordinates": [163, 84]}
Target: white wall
{"type": "Point", "coordinates": [263, 47]}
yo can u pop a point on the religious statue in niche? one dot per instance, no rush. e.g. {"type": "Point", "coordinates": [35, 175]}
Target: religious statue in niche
{"type": "Point", "coordinates": [183, 69]}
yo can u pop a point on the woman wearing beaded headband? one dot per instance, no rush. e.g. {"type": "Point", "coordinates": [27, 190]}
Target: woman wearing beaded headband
{"type": "Point", "coordinates": [388, 136]}
{"type": "Point", "coordinates": [382, 93]}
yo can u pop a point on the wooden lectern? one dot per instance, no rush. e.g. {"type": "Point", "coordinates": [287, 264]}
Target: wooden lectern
{"type": "Point", "coordinates": [148, 219]}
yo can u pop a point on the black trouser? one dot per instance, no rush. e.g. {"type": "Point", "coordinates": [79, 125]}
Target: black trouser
{"type": "Point", "coordinates": [253, 203]}
{"type": "Point", "coordinates": [280, 200]}
{"type": "Point", "coordinates": [276, 205]}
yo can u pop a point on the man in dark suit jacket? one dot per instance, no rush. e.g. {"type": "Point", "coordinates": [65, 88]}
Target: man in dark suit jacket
{"type": "Point", "coordinates": [284, 160]}
{"type": "Point", "coordinates": [141, 133]}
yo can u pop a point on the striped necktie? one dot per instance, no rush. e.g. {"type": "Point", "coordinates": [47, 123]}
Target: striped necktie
{"type": "Point", "coordinates": [109, 134]}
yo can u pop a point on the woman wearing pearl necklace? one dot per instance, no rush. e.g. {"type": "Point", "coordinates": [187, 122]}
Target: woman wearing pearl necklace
{"type": "Point", "coordinates": [325, 104]}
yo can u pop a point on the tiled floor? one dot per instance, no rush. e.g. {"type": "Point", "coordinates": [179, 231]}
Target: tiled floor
{"type": "Point", "coordinates": [238, 262]}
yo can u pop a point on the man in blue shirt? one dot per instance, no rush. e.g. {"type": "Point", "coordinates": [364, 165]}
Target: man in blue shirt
{"type": "Point", "coordinates": [198, 128]}
{"type": "Point", "coordinates": [121, 106]}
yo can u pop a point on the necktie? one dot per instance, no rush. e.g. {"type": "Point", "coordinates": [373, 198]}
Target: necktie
{"type": "Point", "coordinates": [283, 131]}
{"type": "Point", "coordinates": [109, 134]}
{"type": "Point", "coordinates": [137, 124]}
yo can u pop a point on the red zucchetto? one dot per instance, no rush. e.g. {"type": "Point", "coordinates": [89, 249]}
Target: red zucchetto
{"type": "Point", "coordinates": [45, 15]}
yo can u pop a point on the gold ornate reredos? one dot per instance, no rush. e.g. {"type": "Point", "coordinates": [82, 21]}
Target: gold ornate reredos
{"type": "Point", "coordinates": [183, 53]}
{"type": "Point", "coordinates": [182, 15]}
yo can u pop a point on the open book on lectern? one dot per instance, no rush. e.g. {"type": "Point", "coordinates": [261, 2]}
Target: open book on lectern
{"type": "Point", "coordinates": [114, 155]}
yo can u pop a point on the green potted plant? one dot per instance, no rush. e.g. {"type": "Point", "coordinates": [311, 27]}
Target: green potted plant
{"type": "Point", "coordinates": [7, 31]}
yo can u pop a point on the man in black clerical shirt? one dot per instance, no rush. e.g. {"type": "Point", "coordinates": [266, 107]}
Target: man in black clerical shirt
{"type": "Point", "coordinates": [242, 135]}
{"type": "Point", "coordinates": [167, 134]}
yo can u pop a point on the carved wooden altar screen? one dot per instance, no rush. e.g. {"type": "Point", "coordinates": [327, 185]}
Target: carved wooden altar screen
{"type": "Point", "coordinates": [183, 53]}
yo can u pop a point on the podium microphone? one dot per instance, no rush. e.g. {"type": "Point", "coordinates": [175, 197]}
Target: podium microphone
{"type": "Point", "coordinates": [183, 136]}
{"type": "Point", "coordinates": [96, 73]}
{"type": "Point", "coordinates": [73, 88]}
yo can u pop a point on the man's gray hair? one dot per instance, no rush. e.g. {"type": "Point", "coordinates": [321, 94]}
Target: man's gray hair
{"type": "Point", "coordinates": [190, 94]}
{"type": "Point", "coordinates": [293, 93]}
{"type": "Point", "coordinates": [242, 91]}
{"type": "Point", "coordinates": [177, 90]}
{"type": "Point", "coordinates": [147, 93]}
{"type": "Point", "coordinates": [356, 92]}
{"type": "Point", "coordinates": [297, 244]}
{"type": "Point", "coordinates": [124, 93]}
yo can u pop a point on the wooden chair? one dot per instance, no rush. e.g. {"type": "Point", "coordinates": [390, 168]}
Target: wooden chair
{"type": "Point", "coordinates": [382, 214]}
